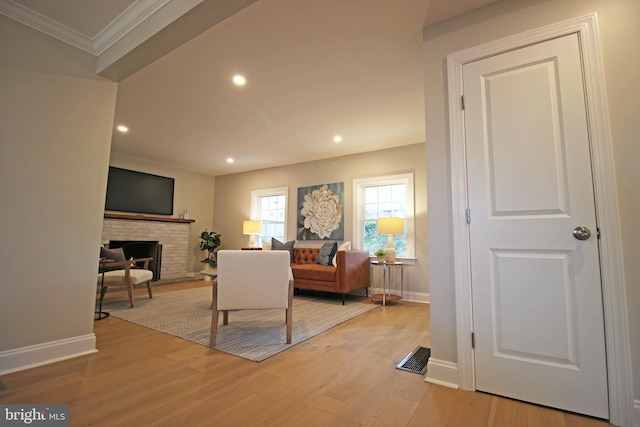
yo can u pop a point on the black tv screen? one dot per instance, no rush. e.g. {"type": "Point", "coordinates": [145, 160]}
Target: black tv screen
{"type": "Point", "coordinates": [138, 192]}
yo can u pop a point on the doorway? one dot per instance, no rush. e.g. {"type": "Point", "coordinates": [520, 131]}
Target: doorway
{"type": "Point", "coordinates": [617, 366]}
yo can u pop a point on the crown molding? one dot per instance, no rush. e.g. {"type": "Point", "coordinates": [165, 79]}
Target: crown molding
{"type": "Point", "coordinates": [135, 15]}
{"type": "Point", "coordinates": [46, 25]}
{"type": "Point", "coordinates": [128, 20]}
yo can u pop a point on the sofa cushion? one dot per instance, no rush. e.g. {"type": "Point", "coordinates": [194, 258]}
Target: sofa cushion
{"type": "Point", "coordinates": [327, 252]}
{"type": "Point", "coordinates": [305, 255]}
{"type": "Point", "coordinates": [324, 273]}
{"type": "Point", "coordinates": [277, 245]}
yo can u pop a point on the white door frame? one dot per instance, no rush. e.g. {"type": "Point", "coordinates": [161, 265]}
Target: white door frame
{"type": "Point", "coordinates": [611, 258]}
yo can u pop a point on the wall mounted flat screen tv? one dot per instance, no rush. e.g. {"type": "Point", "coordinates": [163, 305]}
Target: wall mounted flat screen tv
{"type": "Point", "coordinates": [138, 192]}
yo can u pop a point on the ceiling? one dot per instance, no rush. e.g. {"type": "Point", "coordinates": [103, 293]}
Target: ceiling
{"type": "Point", "coordinates": [314, 70]}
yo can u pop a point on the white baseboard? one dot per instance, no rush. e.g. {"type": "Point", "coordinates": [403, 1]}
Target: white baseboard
{"type": "Point", "coordinates": [421, 297]}
{"type": "Point", "coordinates": [442, 373]}
{"type": "Point", "coordinates": [43, 354]}
{"type": "Point", "coordinates": [418, 297]}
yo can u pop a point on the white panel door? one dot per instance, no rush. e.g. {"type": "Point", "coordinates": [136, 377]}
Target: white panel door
{"type": "Point", "coordinates": [537, 302]}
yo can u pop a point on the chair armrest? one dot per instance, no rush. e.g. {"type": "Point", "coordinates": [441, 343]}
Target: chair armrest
{"type": "Point", "coordinates": [145, 262]}
{"type": "Point", "coordinates": [117, 266]}
{"type": "Point", "coordinates": [353, 269]}
{"type": "Point", "coordinates": [125, 264]}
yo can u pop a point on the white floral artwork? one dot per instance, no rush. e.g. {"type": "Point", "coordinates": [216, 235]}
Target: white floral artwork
{"type": "Point", "coordinates": [320, 212]}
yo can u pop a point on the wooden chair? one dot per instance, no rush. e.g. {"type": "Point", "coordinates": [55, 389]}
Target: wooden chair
{"type": "Point", "coordinates": [252, 280]}
{"type": "Point", "coordinates": [129, 273]}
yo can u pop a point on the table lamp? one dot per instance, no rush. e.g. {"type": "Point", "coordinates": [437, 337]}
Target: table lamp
{"type": "Point", "coordinates": [251, 228]}
{"type": "Point", "coordinates": [390, 226]}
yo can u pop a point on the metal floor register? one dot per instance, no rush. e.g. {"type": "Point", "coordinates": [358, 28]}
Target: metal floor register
{"type": "Point", "coordinates": [416, 361]}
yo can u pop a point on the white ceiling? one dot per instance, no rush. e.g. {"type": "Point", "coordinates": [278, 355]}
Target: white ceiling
{"type": "Point", "coordinates": [315, 69]}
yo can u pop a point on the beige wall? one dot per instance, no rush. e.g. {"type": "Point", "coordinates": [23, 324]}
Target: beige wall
{"type": "Point", "coordinates": [192, 191]}
{"type": "Point", "coordinates": [619, 35]}
{"type": "Point", "coordinates": [233, 197]}
{"type": "Point", "coordinates": [57, 118]}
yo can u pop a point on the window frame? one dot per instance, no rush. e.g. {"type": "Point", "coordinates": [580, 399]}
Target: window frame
{"type": "Point", "coordinates": [256, 197]}
{"type": "Point", "coordinates": [359, 186]}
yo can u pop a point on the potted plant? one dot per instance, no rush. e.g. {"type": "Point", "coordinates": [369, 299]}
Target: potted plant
{"type": "Point", "coordinates": [210, 240]}
{"type": "Point", "coordinates": [380, 254]}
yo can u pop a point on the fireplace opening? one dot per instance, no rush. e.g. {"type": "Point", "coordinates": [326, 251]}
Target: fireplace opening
{"type": "Point", "coordinates": [142, 249]}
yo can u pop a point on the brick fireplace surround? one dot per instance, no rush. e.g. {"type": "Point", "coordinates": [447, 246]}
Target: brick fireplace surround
{"type": "Point", "coordinates": [171, 233]}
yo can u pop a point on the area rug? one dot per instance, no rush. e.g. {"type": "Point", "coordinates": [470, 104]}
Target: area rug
{"type": "Point", "coordinates": [251, 334]}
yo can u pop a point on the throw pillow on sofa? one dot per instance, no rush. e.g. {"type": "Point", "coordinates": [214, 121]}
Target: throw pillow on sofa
{"type": "Point", "coordinates": [277, 245]}
{"type": "Point", "coordinates": [327, 252]}
{"type": "Point", "coordinates": [344, 246]}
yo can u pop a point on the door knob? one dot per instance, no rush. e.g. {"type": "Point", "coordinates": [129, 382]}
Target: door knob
{"type": "Point", "coordinates": [581, 233]}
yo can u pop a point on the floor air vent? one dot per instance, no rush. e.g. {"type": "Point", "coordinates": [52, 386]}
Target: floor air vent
{"type": "Point", "coordinates": [416, 361]}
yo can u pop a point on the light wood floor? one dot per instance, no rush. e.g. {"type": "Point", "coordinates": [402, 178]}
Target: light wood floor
{"type": "Point", "coordinates": [344, 377]}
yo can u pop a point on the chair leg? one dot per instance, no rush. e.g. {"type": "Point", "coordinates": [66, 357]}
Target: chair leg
{"type": "Point", "coordinates": [130, 291]}
{"type": "Point", "coordinates": [289, 312]}
{"type": "Point", "coordinates": [225, 317]}
{"type": "Point", "coordinates": [214, 315]}
{"type": "Point", "coordinates": [149, 289]}
{"type": "Point", "coordinates": [289, 322]}
{"type": "Point", "coordinates": [214, 326]}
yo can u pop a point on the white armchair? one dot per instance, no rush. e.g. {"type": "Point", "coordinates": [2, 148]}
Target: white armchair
{"type": "Point", "coordinates": [252, 280]}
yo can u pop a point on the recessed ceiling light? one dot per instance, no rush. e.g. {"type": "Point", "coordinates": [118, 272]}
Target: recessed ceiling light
{"type": "Point", "coordinates": [337, 138]}
{"type": "Point", "coordinates": [230, 160]}
{"type": "Point", "coordinates": [239, 80]}
{"type": "Point", "coordinates": [123, 129]}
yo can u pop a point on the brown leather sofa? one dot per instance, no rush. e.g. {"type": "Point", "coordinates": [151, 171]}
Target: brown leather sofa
{"type": "Point", "coordinates": [351, 272]}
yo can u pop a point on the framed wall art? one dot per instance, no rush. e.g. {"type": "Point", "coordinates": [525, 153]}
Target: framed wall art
{"type": "Point", "coordinates": [320, 212]}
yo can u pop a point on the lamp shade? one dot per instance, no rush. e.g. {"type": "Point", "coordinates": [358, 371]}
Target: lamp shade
{"type": "Point", "coordinates": [251, 227]}
{"type": "Point", "coordinates": [390, 225]}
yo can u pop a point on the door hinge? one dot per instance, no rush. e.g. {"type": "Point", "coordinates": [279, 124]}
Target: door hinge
{"type": "Point", "coordinates": [473, 340]}
{"type": "Point", "coordinates": [468, 216]}
{"type": "Point", "coordinates": [462, 101]}
{"type": "Point", "coordinates": [598, 232]}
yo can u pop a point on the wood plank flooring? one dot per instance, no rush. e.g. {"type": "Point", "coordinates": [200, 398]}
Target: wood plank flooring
{"type": "Point", "coordinates": [344, 377]}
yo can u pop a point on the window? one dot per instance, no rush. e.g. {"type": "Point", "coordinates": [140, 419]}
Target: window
{"type": "Point", "coordinates": [270, 207]}
{"type": "Point", "coordinates": [384, 196]}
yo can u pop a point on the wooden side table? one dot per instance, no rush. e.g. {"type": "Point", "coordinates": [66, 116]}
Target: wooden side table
{"type": "Point", "coordinates": [389, 270]}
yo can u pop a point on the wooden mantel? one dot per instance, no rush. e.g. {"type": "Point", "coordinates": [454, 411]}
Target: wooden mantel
{"type": "Point", "coordinates": [146, 218]}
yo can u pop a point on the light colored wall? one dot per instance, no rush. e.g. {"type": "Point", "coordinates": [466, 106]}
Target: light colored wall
{"type": "Point", "coordinates": [619, 35]}
{"type": "Point", "coordinates": [192, 191]}
{"type": "Point", "coordinates": [57, 119]}
{"type": "Point", "coordinates": [233, 197]}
